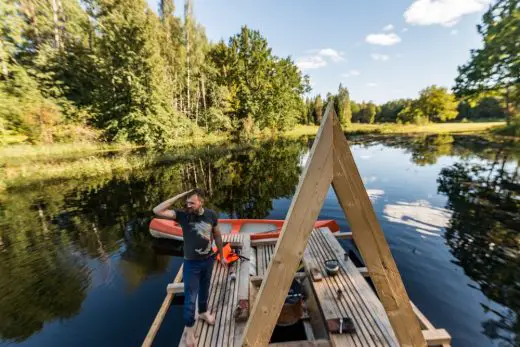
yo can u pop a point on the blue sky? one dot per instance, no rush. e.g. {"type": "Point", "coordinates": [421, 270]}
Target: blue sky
{"type": "Point", "coordinates": [379, 49]}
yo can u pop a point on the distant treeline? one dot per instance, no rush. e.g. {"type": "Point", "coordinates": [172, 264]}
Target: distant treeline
{"type": "Point", "coordinates": [435, 104]}
{"type": "Point", "coordinates": [117, 71]}
{"type": "Point", "coordinates": [73, 69]}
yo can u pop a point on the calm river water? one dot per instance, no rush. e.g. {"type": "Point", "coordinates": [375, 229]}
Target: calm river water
{"type": "Point", "coordinates": [78, 268]}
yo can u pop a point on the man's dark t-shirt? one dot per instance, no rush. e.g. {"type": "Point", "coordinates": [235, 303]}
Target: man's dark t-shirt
{"type": "Point", "coordinates": [196, 231]}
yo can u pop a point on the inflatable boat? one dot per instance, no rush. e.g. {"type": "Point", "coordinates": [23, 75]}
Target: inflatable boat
{"type": "Point", "coordinates": [258, 228]}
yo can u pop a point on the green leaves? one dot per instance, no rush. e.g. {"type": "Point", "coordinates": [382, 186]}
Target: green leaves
{"type": "Point", "coordinates": [265, 90]}
{"type": "Point", "coordinates": [495, 66]}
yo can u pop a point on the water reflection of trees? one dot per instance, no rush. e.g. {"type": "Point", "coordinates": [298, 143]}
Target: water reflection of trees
{"type": "Point", "coordinates": [51, 232]}
{"type": "Point", "coordinates": [427, 149]}
{"type": "Point", "coordinates": [484, 235]}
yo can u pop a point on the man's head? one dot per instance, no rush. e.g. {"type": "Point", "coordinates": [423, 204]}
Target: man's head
{"type": "Point", "coordinates": [195, 200]}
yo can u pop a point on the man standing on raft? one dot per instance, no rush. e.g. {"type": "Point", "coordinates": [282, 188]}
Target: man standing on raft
{"type": "Point", "coordinates": [199, 228]}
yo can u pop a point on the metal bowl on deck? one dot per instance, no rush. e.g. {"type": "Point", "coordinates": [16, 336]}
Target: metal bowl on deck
{"type": "Point", "coordinates": [332, 267]}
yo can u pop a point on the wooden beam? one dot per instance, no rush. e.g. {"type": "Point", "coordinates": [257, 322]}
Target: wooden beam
{"type": "Point", "coordinates": [370, 240]}
{"type": "Point", "coordinates": [263, 242]}
{"type": "Point", "coordinates": [162, 312]}
{"type": "Point", "coordinates": [343, 235]}
{"type": "Point", "coordinates": [436, 337]}
{"type": "Point", "coordinates": [175, 288]}
{"type": "Point", "coordinates": [303, 212]}
{"type": "Point", "coordinates": [257, 280]}
{"type": "Point", "coordinates": [315, 343]}
{"type": "Point", "coordinates": [363, 271]}
{"type": "Point", "coordinates": [425, 323]}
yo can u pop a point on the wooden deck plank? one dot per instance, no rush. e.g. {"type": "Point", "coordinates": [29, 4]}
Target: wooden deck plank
{"type": "Point", "coordinates": [238, 290]}
{"type": "Point", "coordinates": [211, 331]}
{"type": "Point", "coordinates": [215, 330]}
{"type": "Point", "coordinates": [315, 343]}
{"type": "Point", "coordinates": [362, 337]}
{"type": "Point", "coordinates": [325, 301]}
{"type": "Point", "coordinates": [365, 292]}
{"type": "Point", "coordinates": [253, 261]}
{"type": "Point", "coordinates": [351, 308]}
{"type": "Point", "coordinates": [357, 301]}
{"type": "Point", "coordinates": [224, 322]}
{"type": "Point", "coordinates": [263, 242]}
{"type": "Point", "coordinates": [214, 290]}
{"type": "Point", "coordinates": [259, 260]}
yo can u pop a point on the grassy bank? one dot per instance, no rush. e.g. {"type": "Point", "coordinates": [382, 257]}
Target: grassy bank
{"type": "Point", "coordinates": [392, 128]}
{"type": "Point", "coordinates": [18, 153]}
{"type": "Point", "coordinates": [24, 164]}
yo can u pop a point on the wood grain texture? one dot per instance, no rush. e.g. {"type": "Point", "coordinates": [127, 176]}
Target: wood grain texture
{"type": "Point", "coordinates": [369, 238]}
{"type": "Point", "coordinates": [303, 212]}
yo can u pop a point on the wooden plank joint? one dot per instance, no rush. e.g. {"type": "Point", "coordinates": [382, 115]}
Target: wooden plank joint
{"type": "Point", "coordinates": [175, 288]}
{"type": "Point", "coordinates": [436, 337]}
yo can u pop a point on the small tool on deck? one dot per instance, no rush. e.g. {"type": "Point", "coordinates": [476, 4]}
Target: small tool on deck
{"type": "Point", "coordinates": [316, 274]}
{"type": "Point", "coordinates": [343, 325]}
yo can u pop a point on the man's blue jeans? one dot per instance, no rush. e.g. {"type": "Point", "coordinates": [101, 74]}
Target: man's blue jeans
{"type": "Point", "coordinates": [197, 278]}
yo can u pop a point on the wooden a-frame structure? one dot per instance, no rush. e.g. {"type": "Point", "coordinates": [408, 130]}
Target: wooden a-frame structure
{"type": "Point", "coordinates": [331, 161]}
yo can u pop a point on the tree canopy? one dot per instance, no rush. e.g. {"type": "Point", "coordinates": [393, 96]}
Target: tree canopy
{"type": "Point", "coordinates": [131, 75]}
{"type": "Point", "coordinates": [495, 66]}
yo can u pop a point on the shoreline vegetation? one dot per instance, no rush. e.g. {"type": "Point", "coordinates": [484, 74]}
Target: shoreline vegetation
{"type": "Point", "coordinates": [86, 85]}
{"type": "Point", "coordinates": [33, 164]}
{"type": "Point", "coordinates": [119, 72]}
{"type": "Point", "coordinates": [27, 152]}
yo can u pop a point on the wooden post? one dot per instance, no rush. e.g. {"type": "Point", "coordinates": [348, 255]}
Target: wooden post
{"type": "Point", "coordinates": [370, 240]}
{"type": "Point", "coordinates": [162, 312]}
{"type": "Point", "coordinates": [330, 160]}
{"type": "Point", "coordinates": [304, 210]}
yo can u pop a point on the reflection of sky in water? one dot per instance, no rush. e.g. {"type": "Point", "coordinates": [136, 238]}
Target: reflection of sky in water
{"type": "Point", "coordinates": [413, 216]}
{"type": "Point", "coordinates": [127, 276]}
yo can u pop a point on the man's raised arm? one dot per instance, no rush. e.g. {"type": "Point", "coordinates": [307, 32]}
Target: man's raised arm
{"type": "Point", "coordinates": [162, 210]}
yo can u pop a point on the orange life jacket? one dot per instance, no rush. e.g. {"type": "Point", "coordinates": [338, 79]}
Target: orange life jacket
{"type": "Point", "coordinates": [228, 253]}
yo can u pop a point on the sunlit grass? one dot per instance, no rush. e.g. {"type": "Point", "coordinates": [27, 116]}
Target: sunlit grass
{"type": "Point", "coordinates": [392, 128]}
{"type": "Point", "coordinates": [23, 153]}
{"type": "Point", "coordinates": [82, 168]}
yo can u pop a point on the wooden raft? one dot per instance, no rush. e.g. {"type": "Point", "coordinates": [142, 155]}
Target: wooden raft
{"type": "Point", "coordinates": [346, 295]}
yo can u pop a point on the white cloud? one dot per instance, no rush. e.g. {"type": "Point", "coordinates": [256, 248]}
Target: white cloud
{"type": "Point", "coordinates": [443, 12]}
{"type": "Point", "coordinates": [383, 39]}
{"type": "Point", "coordinates": [372, 84]}
{"type": "Point", "coordinates": [318, 60]}
{"type": "Point", "coordinates": [334, 55]}
{"type": "Point", "coordinates": [352, 73]}
{"type": "Point", "coordinates": [404, 30]}
{"type": "Point", "coordinates": [389, 27]}
{"type": "Point", "coordinates": [310, 62]}
{"type": "Point", "coordinates": [379, 57]}
{"type": "Point", "coordinates": [454, 32]}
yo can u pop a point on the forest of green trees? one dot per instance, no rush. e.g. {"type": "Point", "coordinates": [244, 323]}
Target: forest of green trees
{"type": "Point", "coordinates": [119, 71]}
{"type": "Point", "coordinates": [435, 104]}
{"type": "Point", "coordinates": [70, 69]}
